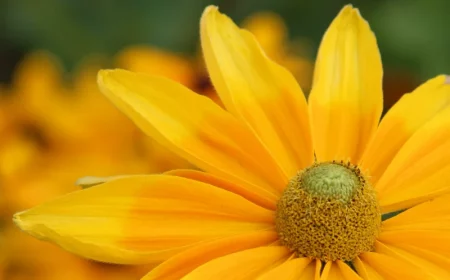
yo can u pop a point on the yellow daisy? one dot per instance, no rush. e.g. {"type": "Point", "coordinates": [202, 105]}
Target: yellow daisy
{"type": "Point", "coordinates": [290, 189]}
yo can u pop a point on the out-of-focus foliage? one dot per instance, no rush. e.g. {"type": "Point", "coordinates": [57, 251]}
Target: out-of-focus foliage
{"type": "Point", "coordinates": [414, 34]}
{"type": "Point", "coordinates": [411, 33]}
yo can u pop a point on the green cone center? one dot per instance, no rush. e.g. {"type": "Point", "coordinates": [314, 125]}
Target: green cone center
{"type": "Point", "coordinates": [328, 211]}
{"type": "Point", "coordinates": [330, 180]}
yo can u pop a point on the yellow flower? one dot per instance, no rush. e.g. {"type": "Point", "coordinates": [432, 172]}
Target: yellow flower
{"type": "Point", "coordinates": [290, 189]}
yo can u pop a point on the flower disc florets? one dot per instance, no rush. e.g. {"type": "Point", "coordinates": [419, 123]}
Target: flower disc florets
{"type": "Point", "coordinates": [329, 211]}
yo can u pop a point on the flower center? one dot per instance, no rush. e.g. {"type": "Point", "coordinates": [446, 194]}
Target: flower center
{"type": "Point", "coordinates": [328, 211]}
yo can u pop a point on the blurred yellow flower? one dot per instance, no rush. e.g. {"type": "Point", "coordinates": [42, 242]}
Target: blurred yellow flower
{"type": "Point", "coordinates": [272, 35]}
{"type": "Point", "coordinates": [291, 189]}
{"type": "Point", "coordinates": [268, 28]}
{"type": "Point", "coordinates": [55, 130]}
{"type": "Point", "coordinates": [154, 61]}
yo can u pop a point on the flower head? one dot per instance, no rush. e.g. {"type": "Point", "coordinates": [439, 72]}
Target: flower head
{"type": "Point", "coordinates": [290, 189]}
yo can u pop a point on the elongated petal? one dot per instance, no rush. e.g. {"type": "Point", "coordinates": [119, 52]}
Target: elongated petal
{"type": "Point", "coordinates": [247, 193]}
{"type": "Point", "coordinates": [425, 226]}
{"type": "Point", "coordinates": [183, 263]}
{"type": "Point", "coordinates": [338, 271]}
{"type": "Point", "coordinates": [312, 271]}
{"type": "Point", "coordinates": [291, 269]}
{"type": "Point", "coordinates": [365, 271]}
{"type": "Point", "coordinates": [247, 264]}
{"type": "Point", "coordinates": [421, 169]}
{"type": "Point", "coordinates": [402, 121]}
{"type": "Point", "coordinates": [194, 127]}
{"type": "Point", "coordinates": [346, 98]}
{"type": "Point", "coordinates": [142, 219]}
{"type": "Point", "coordinates": [258, 91]}
{"type": "Point", "coordinates": [433, 264]}
{"type": "Point", "coordinates": [393, 268]}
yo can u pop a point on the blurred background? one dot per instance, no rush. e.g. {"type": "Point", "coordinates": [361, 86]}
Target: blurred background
{"type": "Point", "coordinates": [55, 126]}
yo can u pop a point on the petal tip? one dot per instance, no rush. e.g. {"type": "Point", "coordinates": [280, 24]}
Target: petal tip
{"type": "Point", "coordinates": [101, 76]}
{"type": "Point", "coordinates": [89, 181]}
{"type": "Point", "coordinates": [208, 12]}
{"type": "Point", "coordinates": [347, 9]}
{"type": "Point", "coordinates": [350, 14]}
{"type": "Point", "coordinates": [211, 8]}
{"type": "Point", "coordinates": [103, 72]}
{"type": "Point", "coordinates": [19, 222]}
{"type": "Point", "coordinates": [107, 76]}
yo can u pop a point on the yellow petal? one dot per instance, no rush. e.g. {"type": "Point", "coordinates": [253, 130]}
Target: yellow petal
{"type": "Point", "coordinates": [194, 127]}
{"type": "Point", "coordinates": [291, 269]}
{"type": "Point", "coordinates": [247, 193]}
{"type": "Point", "coordinates": [402, 121]}
{"type": "Point", "coordinates": [421, 168]}
{"type": "Point", "coordinates": [312, 271]}
{"type": "Point", "coordinates": [365, 271]}
{"type": "Point", "coordinates": [258, 91]}
{"type": "Point", "coordinates": [338, 270]}
{"type": "Point", "coordinates": [247, 264]}
{"type": "Point", "coordinates": [142, 219]}
{"type": "Point", "coordinates": [393, 268]}
{"type": "Point", "coordinates": [181, 264]}
{"type": "Point", "coordinates": [346, 99]}
{"type": "Point", "coordinates": [425, 226]}
{"type": "Point", "coordinates": [433, 264]}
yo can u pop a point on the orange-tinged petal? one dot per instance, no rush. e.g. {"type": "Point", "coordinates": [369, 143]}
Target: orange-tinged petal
{"type": "Point", "coordinates": [247, 264]}
{"type": "Point", "coordinates": [142, 219]}
{"type": "Point", "coordinates": [291, 269]}
{"type": "Point", "coordinates": [365, 271]}
{"type": "Point", "coordinates": [258, 91]}
{"type": "Point", "coordinates": [421, 169]}
{"type": "Point", "coordinates": [181, 264]}
{"type": "Point", "coordinates": [402, 121]}
{"type": "Point", "coordinates": [247, 193]}
{"type": "Point", "coordinates": [437, 241]}
{"type": "Point", "coordinates": [312, 271]}
{"type": "Point", "coordinates": [429, 215]}
{"type": "Point", "coordinates": [194, 127]}
{"type": "Point", "coordinates": [393, 268]}
{"type": "Point", "coordinates": [425, 226]}
{"type": "Point", "coordinates": [338, 270]}
{"type": "Point", "coordinates": [346, 98]}
{"type": "Point", "coordinates": [437, 266]}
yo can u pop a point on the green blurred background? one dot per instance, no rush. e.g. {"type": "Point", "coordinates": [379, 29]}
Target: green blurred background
{"type": "Point", "coordinates": [50, 139]}
{"type": "Point", "coordinates": [412, 34]}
